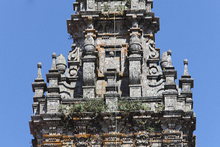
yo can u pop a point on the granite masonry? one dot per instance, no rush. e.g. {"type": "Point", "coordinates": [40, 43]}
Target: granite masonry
{"type": "Point", "coordinates": [114, 89]}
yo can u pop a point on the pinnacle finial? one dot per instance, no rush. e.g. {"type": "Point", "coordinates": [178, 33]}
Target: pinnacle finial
{"type": "Point", "coordinates": [186, 70]}
{"type": "Point", "coordinates": [54, 56]}
{"type": "Point", "coordinates": [39, 73]}
{"type": "Point", "coordinates": [169, 59]}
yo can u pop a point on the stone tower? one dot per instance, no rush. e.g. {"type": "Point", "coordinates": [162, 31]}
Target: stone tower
{"type": "Point", "coordinates": [114, 89]}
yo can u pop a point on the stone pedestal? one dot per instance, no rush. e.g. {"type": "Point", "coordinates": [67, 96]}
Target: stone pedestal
{"type": "Point", "coordinates": [135, 90]}
{"type": "Point", "coordinates": [88, 91]}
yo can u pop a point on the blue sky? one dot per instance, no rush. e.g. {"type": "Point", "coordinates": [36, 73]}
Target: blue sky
{"type": "Point", "coordinates": [30, 30]}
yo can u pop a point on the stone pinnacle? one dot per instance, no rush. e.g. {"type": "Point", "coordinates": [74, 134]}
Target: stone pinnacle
{"type": "Point", "coordinates": [39, 74]}
{"type": "Point", "coordinates": [54, 56]}
{"type": "Point", "coordinates": [186, 70]}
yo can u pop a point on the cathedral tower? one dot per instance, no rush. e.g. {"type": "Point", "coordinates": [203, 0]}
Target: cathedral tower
{"type": "Point", "coordinates": [114, 89]}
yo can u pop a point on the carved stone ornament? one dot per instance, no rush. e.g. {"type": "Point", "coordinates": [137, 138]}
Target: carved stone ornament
{"type": "Point", "coordinates": [154, 54]}
{"type": "Point", "coordinates": [166, 60]}
{"type": "Point", "coordinates": [74, 54]}
{"type": "Point", "coordinates": [89, 44]}
{"type": "Point", "coordinates": [135, 45]}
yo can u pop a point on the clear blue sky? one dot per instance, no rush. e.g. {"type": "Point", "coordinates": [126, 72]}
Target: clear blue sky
{"type": "Point", "coordinates": [30, 30]}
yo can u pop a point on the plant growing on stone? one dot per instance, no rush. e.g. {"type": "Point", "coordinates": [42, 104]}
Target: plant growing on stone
{"type": "Point", "coordinates": [130, 106]}
{"type": "Point", "coordinates": [159, 107]}
{"type": "Point", "coordinates": [121, 8]}
{"type": "Point", "coordinates": [94, 106]}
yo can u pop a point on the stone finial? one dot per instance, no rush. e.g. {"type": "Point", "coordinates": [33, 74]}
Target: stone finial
{"type": "Point", "coordinates": [89, 44]}
{"type": "Point", "coordinates": [39, 86]}
{"type": "Point", "coordinates": [169, 59]}
{"type": "Point", "coordinates": [54, 56]}
{"type": "Point", "coordinates": [61, 63]}
{"type": "Point", "coordinates": [135, 43]}
{"type": "Point", "coordinates": [39, 73]}
{"type": "Point", "coordinates": [186, 70]}
{"type": "Point", "coordinates": [166, 60]}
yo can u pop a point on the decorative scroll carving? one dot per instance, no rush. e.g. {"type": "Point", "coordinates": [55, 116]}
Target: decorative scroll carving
{"type": "Point", "coordinates": [74, 54]}
{"type": "Point", "coordinates": [153, 70]}
{"type": "Point", "coordinates": [74, 61]}
{"type": "Point", "coordinates": [154, 54]}
{"type": "Point", "coordinates": [73, 71]}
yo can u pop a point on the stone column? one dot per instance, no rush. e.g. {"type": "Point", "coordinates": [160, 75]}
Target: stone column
{"type": "Point", "coordinates": [89, 65]}
{"type": "Point", "coordinates": [135, 64]}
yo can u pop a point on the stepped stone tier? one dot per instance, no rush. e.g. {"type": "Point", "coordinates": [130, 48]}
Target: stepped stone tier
{"type": "Point", "coordinates": [114, 89]}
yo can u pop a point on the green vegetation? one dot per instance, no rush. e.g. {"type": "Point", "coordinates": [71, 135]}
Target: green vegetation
{"type": "Point", "coordinates": [98, 106]}
{"type": "Point", "coordinates": [130, 106]}
{"type": "Point", "coordinates": [160, 107]}
{"type": "Point", "coordinates": [106, 8]}
{"type": "Point", "coordinates": [95, 106]}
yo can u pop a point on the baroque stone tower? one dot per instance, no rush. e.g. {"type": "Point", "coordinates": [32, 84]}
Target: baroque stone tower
{"type": "Point", "coordinates": [114, 89]}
